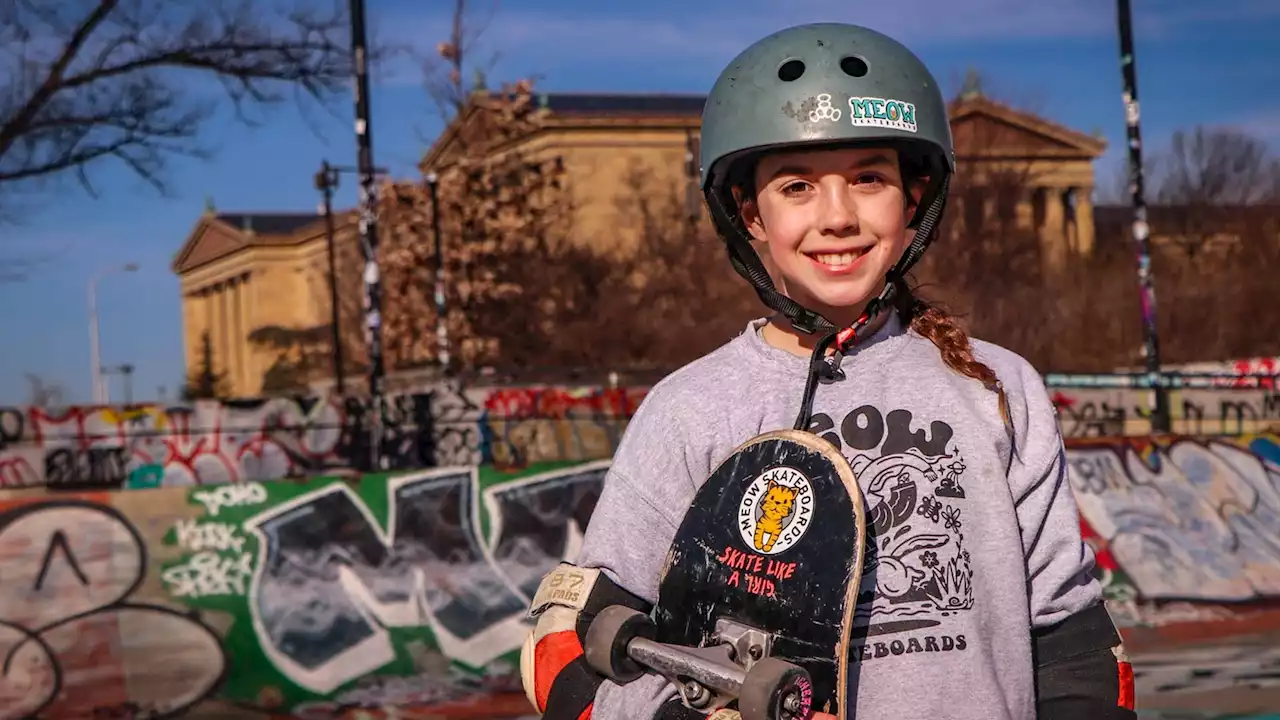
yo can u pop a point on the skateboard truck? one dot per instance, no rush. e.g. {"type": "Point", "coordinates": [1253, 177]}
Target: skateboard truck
{"type": "Point", "coordinates": [736, 665]}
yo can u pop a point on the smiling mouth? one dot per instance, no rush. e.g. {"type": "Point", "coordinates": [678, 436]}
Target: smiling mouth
{"type": "Point", "coordinates": [839, 259]}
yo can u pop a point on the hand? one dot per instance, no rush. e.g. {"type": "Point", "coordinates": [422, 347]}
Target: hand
{"type": "Point", "coordinates": [823, 716]}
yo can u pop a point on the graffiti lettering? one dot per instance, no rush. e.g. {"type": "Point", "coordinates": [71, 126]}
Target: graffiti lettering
{"type": "Point", "coordinates": [11, 424]}
{"type": "Point", "coordinates": [208, 573]}
{"type": "Point", "coordinates": [69, 568]}
{"type": "Point", "coordinates": [541, 519]}
{"type": "Point", "coordinates": [1192, 520]}
{"type": "Point", "coordinates": [197, 536]}
{"type": "Point", "coordinates": [225, 496]}
{"type": "Point", "coordinates": [209, 443]}
{"type": "Point", "coordinates": [1112, 413]}
{"type": "Point", "coordinates": [95, 468]}
{"type": "Point", "coordinates": [316, 591]}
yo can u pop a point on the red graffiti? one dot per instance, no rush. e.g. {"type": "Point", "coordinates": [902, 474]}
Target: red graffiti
{"type": "Point", "coordinates": [549, 403]}
{"type": "Point", "coordinates": [1101, 552]}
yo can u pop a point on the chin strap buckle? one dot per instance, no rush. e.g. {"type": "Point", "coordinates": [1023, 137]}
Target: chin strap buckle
{"type": "Point", "coordinates": [829, 369]}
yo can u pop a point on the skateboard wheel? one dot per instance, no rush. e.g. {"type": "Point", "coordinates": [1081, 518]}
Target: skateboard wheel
{"type": "Point", "coordinates": [610, 633]}
{"type": "Point", "coordinates": [775, 689]}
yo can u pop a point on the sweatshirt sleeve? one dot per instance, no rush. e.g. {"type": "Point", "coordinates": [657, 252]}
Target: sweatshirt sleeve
{"type": "Point", "coordinates": [646, 491]}
{"type": "Point", "coordinates": [1059, 563]}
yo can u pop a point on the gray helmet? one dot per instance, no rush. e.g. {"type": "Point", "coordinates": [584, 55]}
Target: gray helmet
{"type": "Point", "coordinates": [821, 84]}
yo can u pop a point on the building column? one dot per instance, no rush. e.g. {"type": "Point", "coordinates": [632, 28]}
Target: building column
{"type": "Point", "coordinates": [224, 331]}
{"type": "Point", "coordinates": [209, 330]}
{"type": "Point", "coordinates": [237, 335]}
{"type": "Point", "coordinates": [1053, 237]}
{"type": "Point", "coordinates": [1070, 199]}
{"type": "Point", "coordinates": [247, 369]}
{"type": "Point", "coordinates": [1086, 233]}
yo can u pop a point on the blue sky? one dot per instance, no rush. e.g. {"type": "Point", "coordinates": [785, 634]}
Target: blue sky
{"type": "Point", "coordinates": [1211, 63]}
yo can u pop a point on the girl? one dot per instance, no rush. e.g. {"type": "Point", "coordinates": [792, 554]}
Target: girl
{"type": "Point", "coordinates": [828, 146]}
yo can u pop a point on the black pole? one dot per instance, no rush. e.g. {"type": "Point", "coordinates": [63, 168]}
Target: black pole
{"type": "Point", "coordinates": [327, 181]}
{"type": "Point", "coordinates": [1160, 420]}
{"type": "Point", "coordinates": [368, 230]}
{"type": "Point", "coordinates": [442, 327]}
{"type": "Point", "coordinates": [127, 372]}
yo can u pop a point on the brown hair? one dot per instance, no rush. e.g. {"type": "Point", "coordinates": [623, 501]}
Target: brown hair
{"type": "Point", "coordinates": [934, 324]}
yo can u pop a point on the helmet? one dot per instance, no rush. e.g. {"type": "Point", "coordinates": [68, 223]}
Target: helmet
{"type": "Point", "coordinates": [813, 85]}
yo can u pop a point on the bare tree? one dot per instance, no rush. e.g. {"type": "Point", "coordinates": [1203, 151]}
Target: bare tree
{"type": "Point", "coordinates": [505, 217]}
{"type": "Point", "coordinates": [204, 382]}
{"type": "Point", "coordinates": [91, 80]}
{"type": "Point", "coordinates": [445, 73]}
{"type": "Point", "coordinates": [44, 393]}
{"type": "Point", "coordinates": [1206, 181]}
{"type": "Point", "coordinates": [681, 297]}
{"type": "Point", "coordinates": [990, 262]}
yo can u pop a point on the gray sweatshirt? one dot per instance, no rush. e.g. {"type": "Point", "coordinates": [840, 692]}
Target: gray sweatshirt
{"type": "Point", "coordinates": [980, 537]}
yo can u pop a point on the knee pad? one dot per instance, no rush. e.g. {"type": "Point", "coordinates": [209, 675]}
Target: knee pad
{"type": "Point", "coordinates": [555, 675]}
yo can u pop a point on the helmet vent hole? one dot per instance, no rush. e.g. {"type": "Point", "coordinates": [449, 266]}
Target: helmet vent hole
{"type": "Point", "coordinates": [853, 66]}
{"type": "Point", "coordinates": [791, 70]}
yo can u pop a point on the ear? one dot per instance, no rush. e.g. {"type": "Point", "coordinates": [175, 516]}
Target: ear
{"type": "Point", "coordinates": [914, 191]}
{"type": "Point", "coordinates": [749, 211]}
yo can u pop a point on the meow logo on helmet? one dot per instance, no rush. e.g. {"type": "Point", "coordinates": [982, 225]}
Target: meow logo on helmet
{"type": "Point", "coordinates": [882, 112]}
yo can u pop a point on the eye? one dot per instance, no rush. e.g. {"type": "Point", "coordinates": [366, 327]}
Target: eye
{"type": "Point", "coordinates": [794, 186]}
{"type": "Point", "coordinates": [873, 179]}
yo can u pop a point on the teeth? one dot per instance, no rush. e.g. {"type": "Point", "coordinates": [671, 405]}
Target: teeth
{"type": "Point", "coordinates": [836, 258]}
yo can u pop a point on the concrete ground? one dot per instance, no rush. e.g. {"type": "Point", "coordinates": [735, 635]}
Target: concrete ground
{"type": "Point", "coordinates": [1215, 670]}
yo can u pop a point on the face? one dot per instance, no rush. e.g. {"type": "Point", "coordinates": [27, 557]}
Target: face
{"type": "Point", "coordinates": [834, 221]}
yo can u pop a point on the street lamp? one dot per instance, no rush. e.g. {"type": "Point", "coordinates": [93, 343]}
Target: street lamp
{"type": "Point", "coordinates": [99, 394]}
{"type": "Point", "coordinates": [326, 181]}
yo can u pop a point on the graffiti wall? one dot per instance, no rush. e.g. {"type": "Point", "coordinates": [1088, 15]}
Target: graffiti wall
{"type": "Point", "coordinates": [310, 597]}
{"type": "Point", "coordinates": [106, 448]}
{"type": "Point", "coordinates": [330, 596]}
{"type": "Point", "coordinates": [1181, 525]}
{"type": "Point", "coordinates": [1095, 412]}
{"type": "Point", "coordinates": [147, 446]}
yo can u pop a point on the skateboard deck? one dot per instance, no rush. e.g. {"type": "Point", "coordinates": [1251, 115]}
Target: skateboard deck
{"type": "Point", "coordinates": [765, 569]}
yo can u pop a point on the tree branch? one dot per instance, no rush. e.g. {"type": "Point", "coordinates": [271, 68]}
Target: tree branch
{"type": "Point", "coordinates": [120, 84]}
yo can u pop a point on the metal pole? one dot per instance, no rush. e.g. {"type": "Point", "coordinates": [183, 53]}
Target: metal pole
{"type": "Point", "coordinates": [127, 371]}
{"type": "Point", "coordinates": [326, 181]}
{"type": "Point", "coordinates": [442, 328]}
{"type": "Point", "coordinates": [99, 388]}
{"type": "Point", "coordinates": [1160, 420]}
{"type": "Point", "coordinates": [94, 361]}
{"type": "Point", "coordinates": [368, 229]}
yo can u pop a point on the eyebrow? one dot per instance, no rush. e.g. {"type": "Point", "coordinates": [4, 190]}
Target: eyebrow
{"type": "Point", "coordinates": [862, 164]}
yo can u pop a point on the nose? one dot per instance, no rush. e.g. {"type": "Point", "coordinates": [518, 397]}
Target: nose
{"type": "Point", "coordinates": [839, 214]}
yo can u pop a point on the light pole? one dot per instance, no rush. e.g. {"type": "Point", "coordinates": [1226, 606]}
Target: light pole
{"type": "Point", "coordinates": [126, 372]}
{"type": "Point", "coordinates": [1160, 420]}
{"type": "Point", "coordinates": [326, 181]}
{"type": "Point", "coordinates": [99, 394]}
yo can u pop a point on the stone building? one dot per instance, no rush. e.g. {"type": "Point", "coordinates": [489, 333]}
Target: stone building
{"type": "Point", "coordinates": [243, 272]}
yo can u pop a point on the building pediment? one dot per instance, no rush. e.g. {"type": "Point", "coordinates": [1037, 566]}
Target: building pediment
{"type": "Point", "coordinates": [216, 236]}
{"type": "Point", "coordinates": [984, 128]}
{"type": "Point", "coordinates": [209, 240]}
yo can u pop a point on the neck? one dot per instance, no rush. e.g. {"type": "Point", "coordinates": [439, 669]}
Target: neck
{"type": "Point", "coordinates": [782, 334]}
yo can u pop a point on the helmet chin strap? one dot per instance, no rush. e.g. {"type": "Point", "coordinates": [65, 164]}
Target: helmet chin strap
{"type": "Point", "coordinates": [823, 367]}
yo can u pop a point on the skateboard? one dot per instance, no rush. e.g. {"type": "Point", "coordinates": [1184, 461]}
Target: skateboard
{"type": "Point", "coordinates": [758, 595]}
